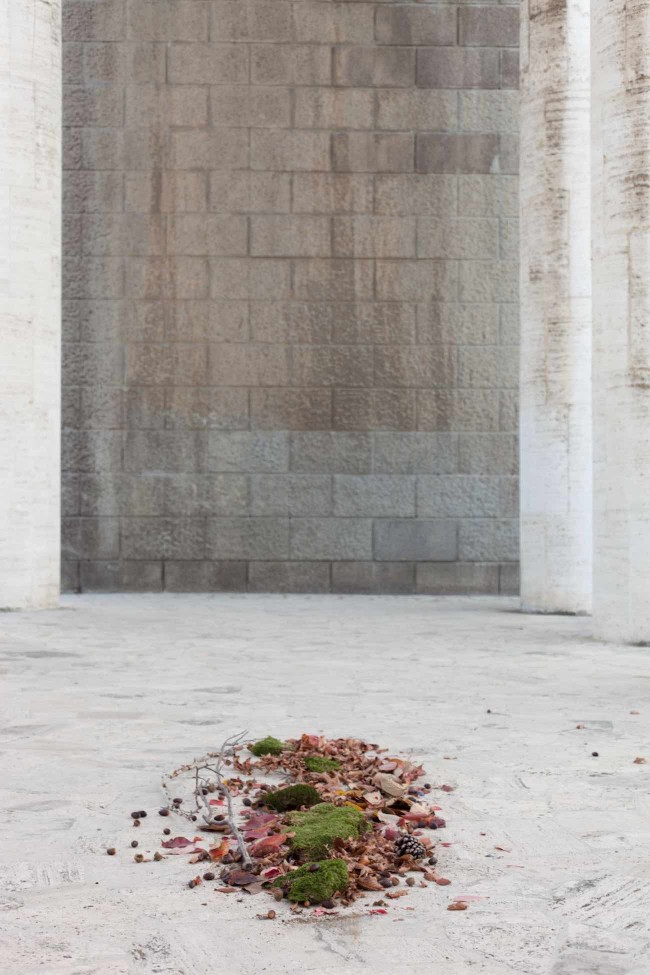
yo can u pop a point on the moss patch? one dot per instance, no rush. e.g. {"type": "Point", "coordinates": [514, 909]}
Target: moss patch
{"type": "Point", "coordinates": [267, 746]}
{"type": "Point", "coordinates": [318, 763]}
{"type": "Point", "coordinates": [305, 884]}
{"type": "Point", "coordinates": [316, 829]}
{"type": "Point", "coordinates": [293, 797]}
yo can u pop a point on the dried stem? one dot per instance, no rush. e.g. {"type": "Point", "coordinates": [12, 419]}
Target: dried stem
{"type": "Point", "coordinates": [212, 782]}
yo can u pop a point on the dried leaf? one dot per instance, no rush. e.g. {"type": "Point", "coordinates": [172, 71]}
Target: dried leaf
{"type": "Point", "coordinates": [377, 910]}
{"type": "Point", "coordinates": [640, 761]}
{"type": "Point", "coordinates": [369, 883]}
{"type": "Point", "coordinates": [389, 785]}
{"type": "Point", "coordinates": [268, 844]}
{"type": "Point", "coordinates": [394, 894]}
{"type": "Point", "coordinates": [240, 878]}
{"type": "Point", "coordinates": [219, 851]}
{"type": "Point", "coordinates": [441, 881]}
{"type": "Point", "coordinates": [458, 906]}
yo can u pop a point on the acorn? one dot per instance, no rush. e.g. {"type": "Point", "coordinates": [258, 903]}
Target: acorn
{"type": "Point", "coordinates": [111, 851]}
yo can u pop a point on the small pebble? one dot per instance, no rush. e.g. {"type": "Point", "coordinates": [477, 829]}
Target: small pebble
{"type": "Point", "coordinates": [385, 882]}
{"type": "Point", "coordinates": [134, 843]}
{"type": "Point", "coordinates": [135, 815]}
{"type": "Point", "coordinates": [432, 861]}
{"type": "Point", "coordinates": [278, 895]}
{"type": "Point", "coordinates": [247, 802]}
{"type": "Point", "coordinates": [157, 856]}
{"type": "Point", "coordinates": [208, 876]}
{"type": "Point", "coordinates": [163, 812]}
{"type": "Point", "coordinates": [142, 814]}
{"type": "Point", "coordinates": [410, 882]}
{"type": "Point", "coordinates": [271, 915]}
{"type": "Point", "coordinates": [111, 851]}
{"type": "Point", "coordinates": [177, 802]}
{"type": "Point", "coordinates": [166, 831]}
{"type": "Point", "coordinates": [594, 754]}
{"type": "Point", "coordinates": [136, 822]}
{"type": "Point", "coordinates": [328, 904]}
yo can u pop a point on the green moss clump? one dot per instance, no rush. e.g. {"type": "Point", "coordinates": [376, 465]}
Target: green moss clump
{"type": "Point", "coordinates": [318, 763]}
{"type": "Point", "coordinates": [267, 746]}
{"type": "Point", "coordinates": [316, 829]}
{"type": "Point", "coordinates": [293, 797]}
{"type": "Point", "coordinates": [305, 884]}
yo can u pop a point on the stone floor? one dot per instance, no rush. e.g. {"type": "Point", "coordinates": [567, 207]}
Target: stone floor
{"type": "Point", "coordinates": [101, 696]}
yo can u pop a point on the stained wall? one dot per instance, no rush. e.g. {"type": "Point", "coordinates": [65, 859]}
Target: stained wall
{"type": "Point", "coordinates": [290, 285]}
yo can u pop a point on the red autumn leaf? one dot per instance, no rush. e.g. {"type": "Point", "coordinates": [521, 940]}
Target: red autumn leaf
{"type": "Point", "coordinates": [216, 802]}
{"type": "Point", "coordinates": [378, 910]}
{"type": "Point", "coordinates": [182, 843]}
{"type": "Point", "coordinates": [258, 820]}
{"type": "Point", "coordinates": [458, 906]}
{"type": "Point", "coordinates": [268, 844]}
{"type": "Point", "coordinates": [448, 788]}
{"type": "Point", "coordinates": [257, 834]}
{"type": "Point", "coordinates": [504, 849]}
{"type": "Point", "coordinates": [442, 881]}
{"type": "Point", "coordinates": [216, 852]}
{"type": "Point", "coordinates": [271, 873]}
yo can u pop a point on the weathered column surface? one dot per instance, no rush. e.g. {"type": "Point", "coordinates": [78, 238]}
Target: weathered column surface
{"type": "Point", "coordinates": [621, 268]}
{"type": "Point", "coordinates": [30, 381]}
{"type": "Point", "coordinates": [555, 426]}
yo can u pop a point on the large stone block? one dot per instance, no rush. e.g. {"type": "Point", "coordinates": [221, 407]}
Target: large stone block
{"type": "Point", "coordinates": [489, 540]}
{"type": "Point", "coordinates": [290, 151]}
{"type": "Point", "coordinates": [289, 577]}
{"type": "Point", "coordinates": [163, 538]}
{"type": "Point", "coordinates": [417, 280]}
{"type": "Point", "coordinates": [330, 453]}
{"type": "Point", "coordinates": [487, 196]}
{"type": "Point", "coordinates": [372, 152]}
{"type": "Point", "coordinates": [331, 538]}
{"type": "Point", "coordinates": [333, 23]}
{"type": "Point", "coordinates": [206, 494]}
{"type": "Point", "coordinates": [168, 20]}
{"type": "Point", "coordinates": [274, 235]}
{"type": "Point", "coordinates": [446, 322]}
{"type": "Point", "coordinates": [205, 407]}
{"type": "Point", "coordinates": [337, 365]}
{"type": "Point", "coordinates": [458, 409]}
{"type": "Point", "coordinates": [487, 453]}
{"type": "Point", "coordinates": [239, 364]}
{"type": "Point", "coordinates": [246, 192]}
{"type": "Point", "coordinates": [457, 153]}
{"type": "Point", "coordinates": [445, 496]}
{"type": "Point", "coordinates": [248, 451]}
{"type": "Point", "coordinates": [200, 576]}
{"type": "Point", "coordinates": [221, 235]}
{"type": "Point", "coordinates": [415, 453]}
{"type": "Point", "coordinates": [411, 24]}
{"type": "Point", "coordinates": [374, 409]}
{"type": "Point", "coordinates": [415, 540]}
{"type": "Point", "coordinates": [295, 321]}
{"type": "Point", "coordinates": [455, 67]}
{"type": "Point", "coordinates": [374, 495]}
{"type": "Point", "coordinates": [390, 323]}
{"type": "Point", "coordinates": [92, 106]}
{"type": "Point", "coordinates": [370, 66]}
{"type": "Point", "coordinates": [291, 495]}
{"type": "Point", "coordinates": [464, 239]}
{"type": "Point", "coordinates": [336, 280]}
{"type": "Point", "coordinates": [488, 25]}
{"type": "Point", "coordinates": [94, 20]}
{"type": "Point", "coordinates": [415, 109]}
{"type": "Point", "coordinates": [418, 194]}
{"type": "Point", "coordinates": [207, 64]}
{"type": "Point", "coordinates": [332, 193]}
{"type": "Point", "coordinates": [415, 366]}
{"type": "Point", "coordinates": [90, 538]}
{"type": "Point", "coordinates": [250, 20]}
{"type": "Point", "coordinates": [373, 236]}
{"type": "Point", "coordinates": [255, 106]}
{"type": "Point", "coordinates": [291, 64]}
{"type": "Point", "coordinates": [397, 578]}
{"type": "Point", "coordinates": [106, 494]}
{"type": "Point", "coordinates": [118, 576]}
{"type": "Point", "coordinates": [291, 409]}
{"type": "Point", "coordinates": [248, 538]}
{"type": "Point", "coordinates": [149, 451]}
{"type": "Point", "coordinates": [325, 108]}
{"type": "Point", "coordinates": [457, 578]}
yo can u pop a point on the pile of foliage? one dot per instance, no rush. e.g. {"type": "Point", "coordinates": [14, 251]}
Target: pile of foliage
{"type": "Point", "coordinates": [346, 820]}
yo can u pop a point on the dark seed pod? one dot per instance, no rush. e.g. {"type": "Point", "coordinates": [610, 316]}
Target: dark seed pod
{"type": "Point", "coordinates": [136, 822]}
{"type": "Point", "coordinates": [409, 845]}
{"type": "Point", "coordinates": [163, 812]}
{"type": "Point", "coordinates": [157, 856]}
{"type": "Point", "coordinates": [135, 815]}
{"type": "Point", "coordinates": [111, 851]}
{"type": "Point", "coordinates": [134, 843]}
{"type": "Point", "coordinates": [166, 831]}
{"type": "Point", "coordinates": [208, 876]}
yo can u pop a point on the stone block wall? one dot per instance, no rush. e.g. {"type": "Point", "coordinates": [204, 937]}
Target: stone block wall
{"type": "Point", "coordinates": [290, 284]}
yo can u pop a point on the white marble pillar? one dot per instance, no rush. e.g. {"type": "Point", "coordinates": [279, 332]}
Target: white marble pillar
{"type": "Point", "coordinates": [30, 295]}
{"type": "Point", "coordinates": [621, 269]}
{"type": "Point", "coordinates": [555, 396]}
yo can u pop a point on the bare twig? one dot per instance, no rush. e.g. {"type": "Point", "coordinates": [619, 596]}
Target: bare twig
{"type": "Point", "coordinates": [208, 777]}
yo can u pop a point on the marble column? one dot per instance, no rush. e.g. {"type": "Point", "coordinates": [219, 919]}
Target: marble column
{"type": "Point", "coordinates": [30, 330]}
{"type": "Point", "coordinates": [621, 362]}
{"type": "Point", "coordinates": [555, 391]}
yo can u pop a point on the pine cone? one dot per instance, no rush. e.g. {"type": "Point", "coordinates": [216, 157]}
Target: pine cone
{"type": "Point", "coordinates": [407, 844]}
